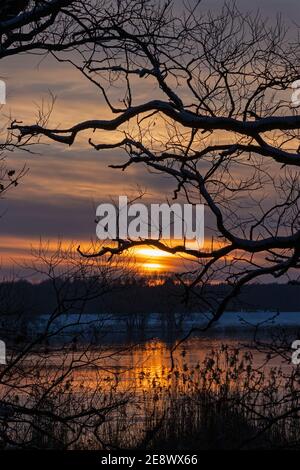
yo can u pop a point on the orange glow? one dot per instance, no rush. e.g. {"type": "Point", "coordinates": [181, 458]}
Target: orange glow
{"type": "Point", "coordinates": [153, 259]}
{"type": "Point", "coordinates": [152, 252]}
{"type": "Point", "coordinates": [153, 266]}
{"type": "Point", "coordinates": [19, 251]}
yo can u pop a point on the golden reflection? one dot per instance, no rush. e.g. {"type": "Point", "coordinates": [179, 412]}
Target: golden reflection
{"type": "Point", "coordinates": [140, 368]}
{"type": "Point", "coordinates": [148, 367]}
{"type": "Point", "coordinates": [147, 370]}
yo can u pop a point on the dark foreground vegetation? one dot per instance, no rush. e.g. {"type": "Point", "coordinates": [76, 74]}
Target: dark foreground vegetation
{"type": "Point", "coordinates": [224, 402]}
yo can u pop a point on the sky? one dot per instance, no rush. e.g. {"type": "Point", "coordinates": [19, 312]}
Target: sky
{"type": "Point", "coordinates": [56, 200]}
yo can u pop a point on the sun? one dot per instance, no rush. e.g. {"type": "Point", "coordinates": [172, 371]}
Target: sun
{"type": "Point", "coordinates": [149, 252]}
{"type": "Point", "coordinates": [152, 259]}
{"type": "Point", "coordinates": [153, 266]}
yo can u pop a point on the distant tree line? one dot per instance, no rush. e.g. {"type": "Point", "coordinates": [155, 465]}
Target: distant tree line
{"type": "Point", "coordinates": [140, 296]}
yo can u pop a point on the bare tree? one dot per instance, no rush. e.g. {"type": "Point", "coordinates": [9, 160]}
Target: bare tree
{"type": "Point", "coordinates": [228, 134]}
{"type": "Point", "coordinates": [30, 26]}
{"type": "Point", "coordinates": [39, 404]}
{"type": "Point", "coordinates": [26, 25]}
{"type": "Point", "coordinates": [46, 400]}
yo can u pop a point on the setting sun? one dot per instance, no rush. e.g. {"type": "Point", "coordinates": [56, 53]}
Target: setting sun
{"type": "Point", "coordinates": [153, 266]}
{"type": "Point", "coordinates": [152, 253]}
{"type": "Point", "coordinates": [153, 259]}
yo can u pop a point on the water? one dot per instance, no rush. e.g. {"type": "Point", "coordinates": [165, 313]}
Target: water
{"type": "Point", "coordinates": [135, 366]}
{"type": "Point", "coordinates": [139, 368]}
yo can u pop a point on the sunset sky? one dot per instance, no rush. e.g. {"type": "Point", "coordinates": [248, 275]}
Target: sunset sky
{"type": "Point", "coordinates": [58, 196]}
